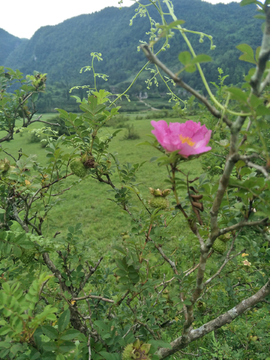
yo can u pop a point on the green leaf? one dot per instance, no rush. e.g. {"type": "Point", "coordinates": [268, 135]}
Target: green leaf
{"type": "Point", "coordinates": [101, 324]}
{"type": "Point", "coordinates": [167, 28]}
{"type": "Point", "coordinates": [118, 248]}
{"type": "Point", "coordinates": [120, 273]}
{"type": "Point", "coordinates": [49, 331]}
{"type": "Point", "coordinates": [5, 330]}
{"type": "Point", "coordinates": [3, 353]}
{"type": "Point", "coordinates": [67, 346]}
{"type": "Point", "coordinates": [110, 356]}
{"type": "Point", "coordinates": [172, 24]}
{"type": "Point", "coordinates": [70, 334]}
{"type": "Point", "coordinates": [184, 57]}
{"type": "Point", "coordinates": [63, 113]}
{"type": "Point", "coordinates": [262, 111]}
{"type": "Point", "coordinates": [63, 320]}
{"type": "Point", "coordinates": [60, 357]}
{"type": "Point", "coordinates": [238, 94]}
{"type": "Point", "coordinates": [248, 54]}
{"type": "Point", "coordinates": [190, 68]}
{"type": "Point", "coordinates": [15, 348]}
{"type": "Point", "coordinates": [201, 58]}
{"type": "Point", "coordinates": [49, 346]}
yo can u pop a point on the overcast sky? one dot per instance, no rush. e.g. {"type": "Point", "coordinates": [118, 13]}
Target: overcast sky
{"type": "Point", "coordinates": [22, 18]}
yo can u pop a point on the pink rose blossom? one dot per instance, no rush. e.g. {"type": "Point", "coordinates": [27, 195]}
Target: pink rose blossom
{"type": "Point", "coordinates": [190, 138]}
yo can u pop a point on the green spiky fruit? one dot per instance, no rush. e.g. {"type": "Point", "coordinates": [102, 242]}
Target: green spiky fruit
{"type": "Point", "coordinates": [159, 202]}
{"type": "Point", "coordinates": [136, 351]}
{"type": "Point", "coordinates": [219, 246]}
{"type": "Point", "coordinates": [78, 168]}
{"type": "Point", "coordinates": [27, 255]}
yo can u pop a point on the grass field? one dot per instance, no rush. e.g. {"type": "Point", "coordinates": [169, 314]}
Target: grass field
{"type": "Point", "coordinates": [87, 202]}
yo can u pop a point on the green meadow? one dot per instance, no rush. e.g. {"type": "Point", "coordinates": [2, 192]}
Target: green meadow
{"type": "Point", "coordinates": [88, 201]}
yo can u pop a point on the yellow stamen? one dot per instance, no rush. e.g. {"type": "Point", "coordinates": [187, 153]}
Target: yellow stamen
{"type": "Point", "coordinates": [186, 140]}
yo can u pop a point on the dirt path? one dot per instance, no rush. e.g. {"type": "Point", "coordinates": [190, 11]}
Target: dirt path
{"type": "Point", "coordinates": [152, 108]}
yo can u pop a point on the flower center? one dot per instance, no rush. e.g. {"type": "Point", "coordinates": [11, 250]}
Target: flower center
{"type": "Point", "coordinates": [186, 139]}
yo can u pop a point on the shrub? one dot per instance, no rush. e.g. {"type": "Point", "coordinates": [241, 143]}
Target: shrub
{"type": "Point", "coordinates": [131, 133]}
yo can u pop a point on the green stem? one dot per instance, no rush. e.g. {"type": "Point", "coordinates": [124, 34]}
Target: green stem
{"type": "Point", "coordinates": [182, 31]}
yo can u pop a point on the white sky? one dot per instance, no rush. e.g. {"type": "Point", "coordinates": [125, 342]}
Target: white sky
{"type": "Point", "coordinates": [22, 18]}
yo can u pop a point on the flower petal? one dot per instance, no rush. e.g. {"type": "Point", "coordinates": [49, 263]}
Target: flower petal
{"type": "Point", "coordinates": [189, 138]}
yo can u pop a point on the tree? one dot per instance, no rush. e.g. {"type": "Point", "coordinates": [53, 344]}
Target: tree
{"type": "Point", "coordinates": [156, 295]}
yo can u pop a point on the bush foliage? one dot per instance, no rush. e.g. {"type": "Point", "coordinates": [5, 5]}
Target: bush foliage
{"type": "Point", "coordinates": [189, 276]}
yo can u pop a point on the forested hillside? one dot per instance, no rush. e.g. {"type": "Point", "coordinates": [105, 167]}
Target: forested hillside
{"type": "Point", "coordinates": [62, 50]}
{"type": "Point", "coordinates": [8, 43]}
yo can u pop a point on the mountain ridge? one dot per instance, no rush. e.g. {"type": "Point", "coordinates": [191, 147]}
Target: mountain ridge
{"type": "Point", "coordinates": [62, 50]}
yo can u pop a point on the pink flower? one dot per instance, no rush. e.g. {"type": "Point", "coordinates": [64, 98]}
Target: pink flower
{"type": "Point", "coordinates": [190, 138]}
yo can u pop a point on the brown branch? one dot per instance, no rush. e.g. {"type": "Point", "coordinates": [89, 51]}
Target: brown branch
{"type": "Point", "coordinates": [242, 224]}
{"type": "Point", "coordinates": [123, 298]}
{"type": "Point", "coordinates": [227, 259]}
{"type": "Point", "coordinates": [42, 287]}
{"type": "Point", "coordinates": [170, 262]}
{"type": "Point", "coordinates": [256, 79]}
{"type": "Point", "coordinates": [93, 297]}
{"type": "Point", "coordinates": [91, 272]}
{"type": "Point", "coordinates": [223, 184]}
{"type": "Point", "coordinates": [34, 197]}
{"type": "Point", "coordinates": [42, 121]}
{"type": "Point", "coordinates": [165, 283]}
{"type": "Point", "coordinates": [257, 167]}
{"type": "Point", "coordinates": [226, 318]}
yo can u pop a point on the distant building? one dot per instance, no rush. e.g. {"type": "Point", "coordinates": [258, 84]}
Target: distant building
{"type": "Point", "coordinates": [143, 95]}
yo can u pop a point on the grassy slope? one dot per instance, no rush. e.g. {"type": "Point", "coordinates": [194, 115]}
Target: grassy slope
{"type": "Point", "coordinates": [87, 202]}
